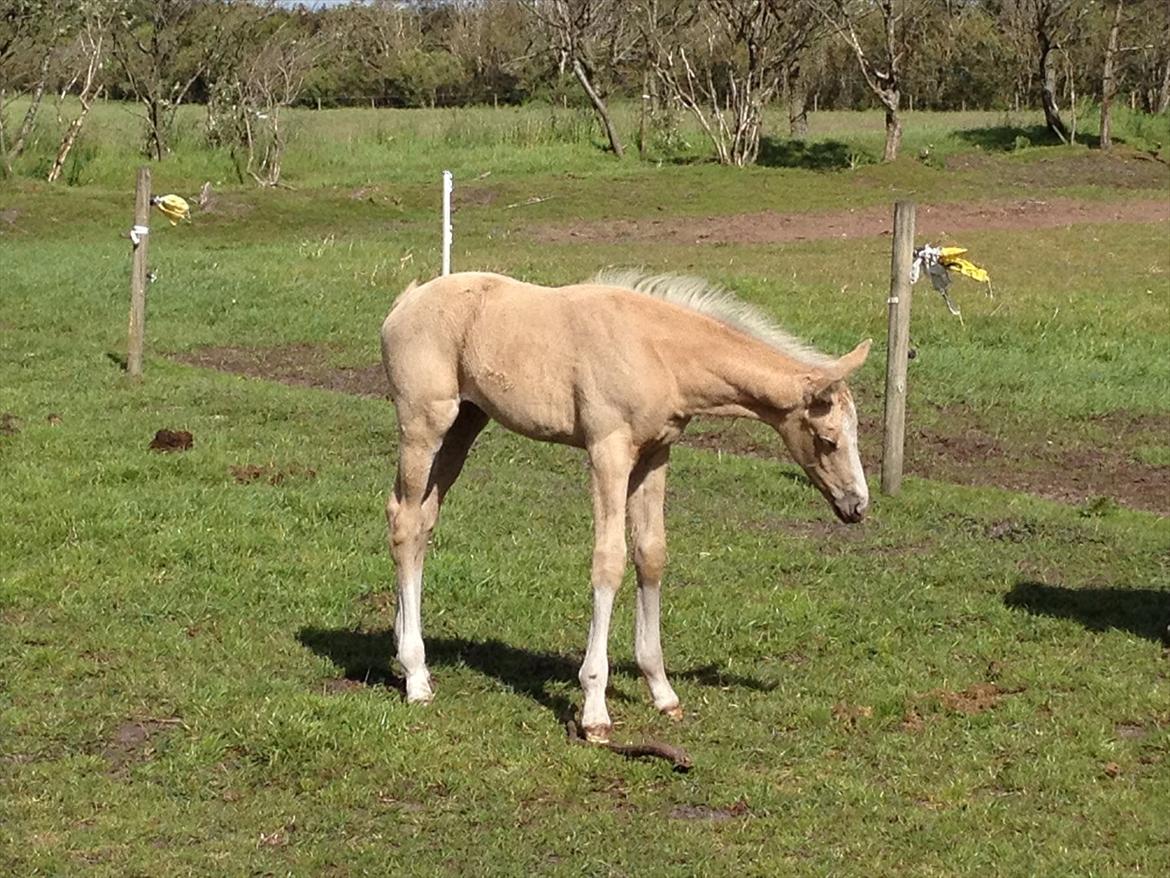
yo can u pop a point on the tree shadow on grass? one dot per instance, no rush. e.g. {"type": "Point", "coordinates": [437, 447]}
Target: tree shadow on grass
{"type": "Point", "coordinates": [822, 155]}
{"type": "Point", "coordinates": [1007, 138]}
{"type": "Point", "coordinates": [1141, 611]}
{"type": "Point", "coordinates": [364, 656]}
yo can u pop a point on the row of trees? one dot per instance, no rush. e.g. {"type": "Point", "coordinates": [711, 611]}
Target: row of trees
{"type": "Point", "coordinates": [722, 61]}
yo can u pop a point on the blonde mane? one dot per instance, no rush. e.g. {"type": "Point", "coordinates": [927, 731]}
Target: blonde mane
{"type": "Point", "coordinates": [717, 303]}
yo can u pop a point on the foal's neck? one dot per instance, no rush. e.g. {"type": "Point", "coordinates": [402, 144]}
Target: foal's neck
{"type": "Point", "coordinates": [724, 373]}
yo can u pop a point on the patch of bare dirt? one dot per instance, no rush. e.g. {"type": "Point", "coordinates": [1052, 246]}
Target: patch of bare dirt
{"type": "Point", "coordinates": [9, 424]}
{"type": "Point", "coordinates": [851, 715]}
{"type": "Point", "coordinates": [976, 698]}
{"type": "Point", "coordinates": [172, 440]}
{"type": "Point", "coordinates": [270, 473]}
{"type": "Point", "coordinates": [706, 812]}
{"type": "Point", "coordinates": [279, 837]}
{"type": "Point", "coordinates": [935, 221]}
{"type": "Point", "coordinates": [341, 685]}
{"type": "Point", "coordinates": [134, 742]}
{"type": "Point", "coordinates": [912, 721]}
{"type": "Point", "coordinates": [1130, 730]}
{"type": "Point", "coordinates": [304, 365]}
{"type": "Point", "coordinates": [220, 204]}
{"type": "Point", "coordinates": [473, 196]}
{"type": "Point", "coordinates": [1069, 469]}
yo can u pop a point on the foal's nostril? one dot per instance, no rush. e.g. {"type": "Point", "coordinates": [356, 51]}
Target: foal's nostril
{"type": "Point", "coordinates": [851, 508]}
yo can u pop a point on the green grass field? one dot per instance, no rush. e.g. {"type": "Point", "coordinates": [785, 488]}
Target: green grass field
{"type": "Point", "coordinates": [196, 669]}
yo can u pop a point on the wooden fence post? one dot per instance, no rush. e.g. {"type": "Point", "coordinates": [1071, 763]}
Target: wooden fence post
{"type": "Point", "coordinates": [897, 347]}
{"type": "Point", "coordinates": [140, 238]}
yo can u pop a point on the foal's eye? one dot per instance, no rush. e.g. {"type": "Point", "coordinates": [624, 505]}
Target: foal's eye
{"type": "Point", "coordinates": [828, 443]}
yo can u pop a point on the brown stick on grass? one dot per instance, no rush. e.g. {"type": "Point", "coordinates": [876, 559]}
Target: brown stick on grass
{"type": "Point", "coordinates": [680, 758]}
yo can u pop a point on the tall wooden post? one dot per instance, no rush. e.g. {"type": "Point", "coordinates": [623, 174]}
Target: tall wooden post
{"type": "Point", "coordinates": [140, 238]}
{"type": "Point", "coordinates": [897, 347]}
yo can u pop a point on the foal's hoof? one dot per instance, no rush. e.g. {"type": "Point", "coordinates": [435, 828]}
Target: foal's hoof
{"type": "Point", "coordinates": [675, 713]}
{"type": "Point", "coordinates": [420, 692]}
{"type": "Point", "coordinates": [598, 734]}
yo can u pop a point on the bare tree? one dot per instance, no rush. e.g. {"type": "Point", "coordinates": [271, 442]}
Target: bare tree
{"type": "Point", "coordinates": [724, 61]}
{"type": "Point", "coordinates": [26, 27]}
{"type": "Point", "coordinates": [1163, 102]}
{"type": "Point", "coordinates": [881, 66]}
{"type": "Point", "coordinates": [584, 35]}
{"type": "Point", "coordinates": [242, 31]}
{"type": "Point", "coordinates": [163, 47]}
{"type": "Point", "coordinates": [84, 58]}
{"type": "Point", "coordinates": [1108, 77]}
{"type": "Point", "coordinates": [385, 31]}
{"type": "Point", "coordinates": [1054, 24]}
{"type": "Point", "coordinates": [273, 80]}
{"type": "Point", "coordinates": [795, 84]}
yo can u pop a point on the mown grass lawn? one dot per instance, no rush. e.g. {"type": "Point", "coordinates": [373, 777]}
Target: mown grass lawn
{"type": "Point", "coordinates": [196, 674]}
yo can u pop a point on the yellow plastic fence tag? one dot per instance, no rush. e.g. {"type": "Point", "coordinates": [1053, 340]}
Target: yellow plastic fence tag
{"type": "Point", "coordinates": [955, 262]}
{"type": "Point", "coordinates": [938, 262]}
{"type": "Point", "coordinates": [173, 207]}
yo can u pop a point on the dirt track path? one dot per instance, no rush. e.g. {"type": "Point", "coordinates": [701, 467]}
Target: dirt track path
{"type": "Point", "coordinates": [933, 220]}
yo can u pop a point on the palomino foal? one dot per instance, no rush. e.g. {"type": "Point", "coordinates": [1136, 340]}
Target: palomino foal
{"type": "Point", "coordinates": [617, 366]}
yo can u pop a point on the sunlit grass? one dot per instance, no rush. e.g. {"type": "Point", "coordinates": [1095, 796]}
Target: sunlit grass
{"type": "Point", "coordinates": [820, 665]}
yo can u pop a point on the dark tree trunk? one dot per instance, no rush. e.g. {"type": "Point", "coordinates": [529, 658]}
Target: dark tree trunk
{"type": "Point", "coordinates": [645, 109]}
{"type": "Point", "coordinates": [34, 106]}
{"type": "Point", "coordinates": [797, 90]}
{"type": "Point", "coordinates": [599, 107]}
{"type": "Point", "coordinates": [155, 137]}
{"type": "Point", "coordinates": [1164, 92]}
{"type": "Point", "coordinates": [1048, 87]}
{"type": "Point", "coordinates": [5, 164]}
{"type": "Point", "coordinates": [893, 130]}
{"type": "Point", "coordinates": [1108, 78]}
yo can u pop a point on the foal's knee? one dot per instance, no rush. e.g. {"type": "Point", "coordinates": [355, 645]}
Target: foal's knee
{"type": "Point", "coordinates": [608, 565]}
{"type": "Point", "coordinates": [650, 560]}
{"type": "Point", "coordinates": [405, 524]}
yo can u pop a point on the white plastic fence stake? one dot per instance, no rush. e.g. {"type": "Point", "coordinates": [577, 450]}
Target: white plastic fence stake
{"type": "Point", "coordinates": [448, 185]}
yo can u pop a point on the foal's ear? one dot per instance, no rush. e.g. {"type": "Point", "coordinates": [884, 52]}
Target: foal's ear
{"type": "Point", "coordinates": [823, 379]}
{"type": "Point", "coordinates": [852, 361]}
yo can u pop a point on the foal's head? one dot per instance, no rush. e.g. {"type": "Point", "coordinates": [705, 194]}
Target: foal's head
{"type": "Point", "coordinates": [821, 435]}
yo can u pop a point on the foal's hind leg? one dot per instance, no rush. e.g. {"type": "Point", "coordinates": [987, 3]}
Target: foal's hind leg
{"type": "Point", "coordinates": [647, 495]}
{"type": "Point", "coordinates": [434, 442]}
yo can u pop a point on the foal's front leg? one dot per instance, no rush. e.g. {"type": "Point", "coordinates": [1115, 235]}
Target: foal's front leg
{"type": "Point", "coordinates": [611, 461]}
{"type": "Point", "coordinates": [646, 500]}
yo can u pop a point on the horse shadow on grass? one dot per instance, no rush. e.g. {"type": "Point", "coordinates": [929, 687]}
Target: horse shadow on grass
{"type": "Point", "coordinates": [364, 657]}
{"type": "Point", "coordinates": [1141, 611]}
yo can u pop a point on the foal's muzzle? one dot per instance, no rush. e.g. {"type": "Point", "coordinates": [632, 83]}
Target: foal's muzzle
{"type": "Point", "coordinates": [850, 508]}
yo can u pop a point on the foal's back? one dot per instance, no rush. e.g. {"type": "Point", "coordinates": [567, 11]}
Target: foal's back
{"type": "Point", "coordinates": [550, 363]}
